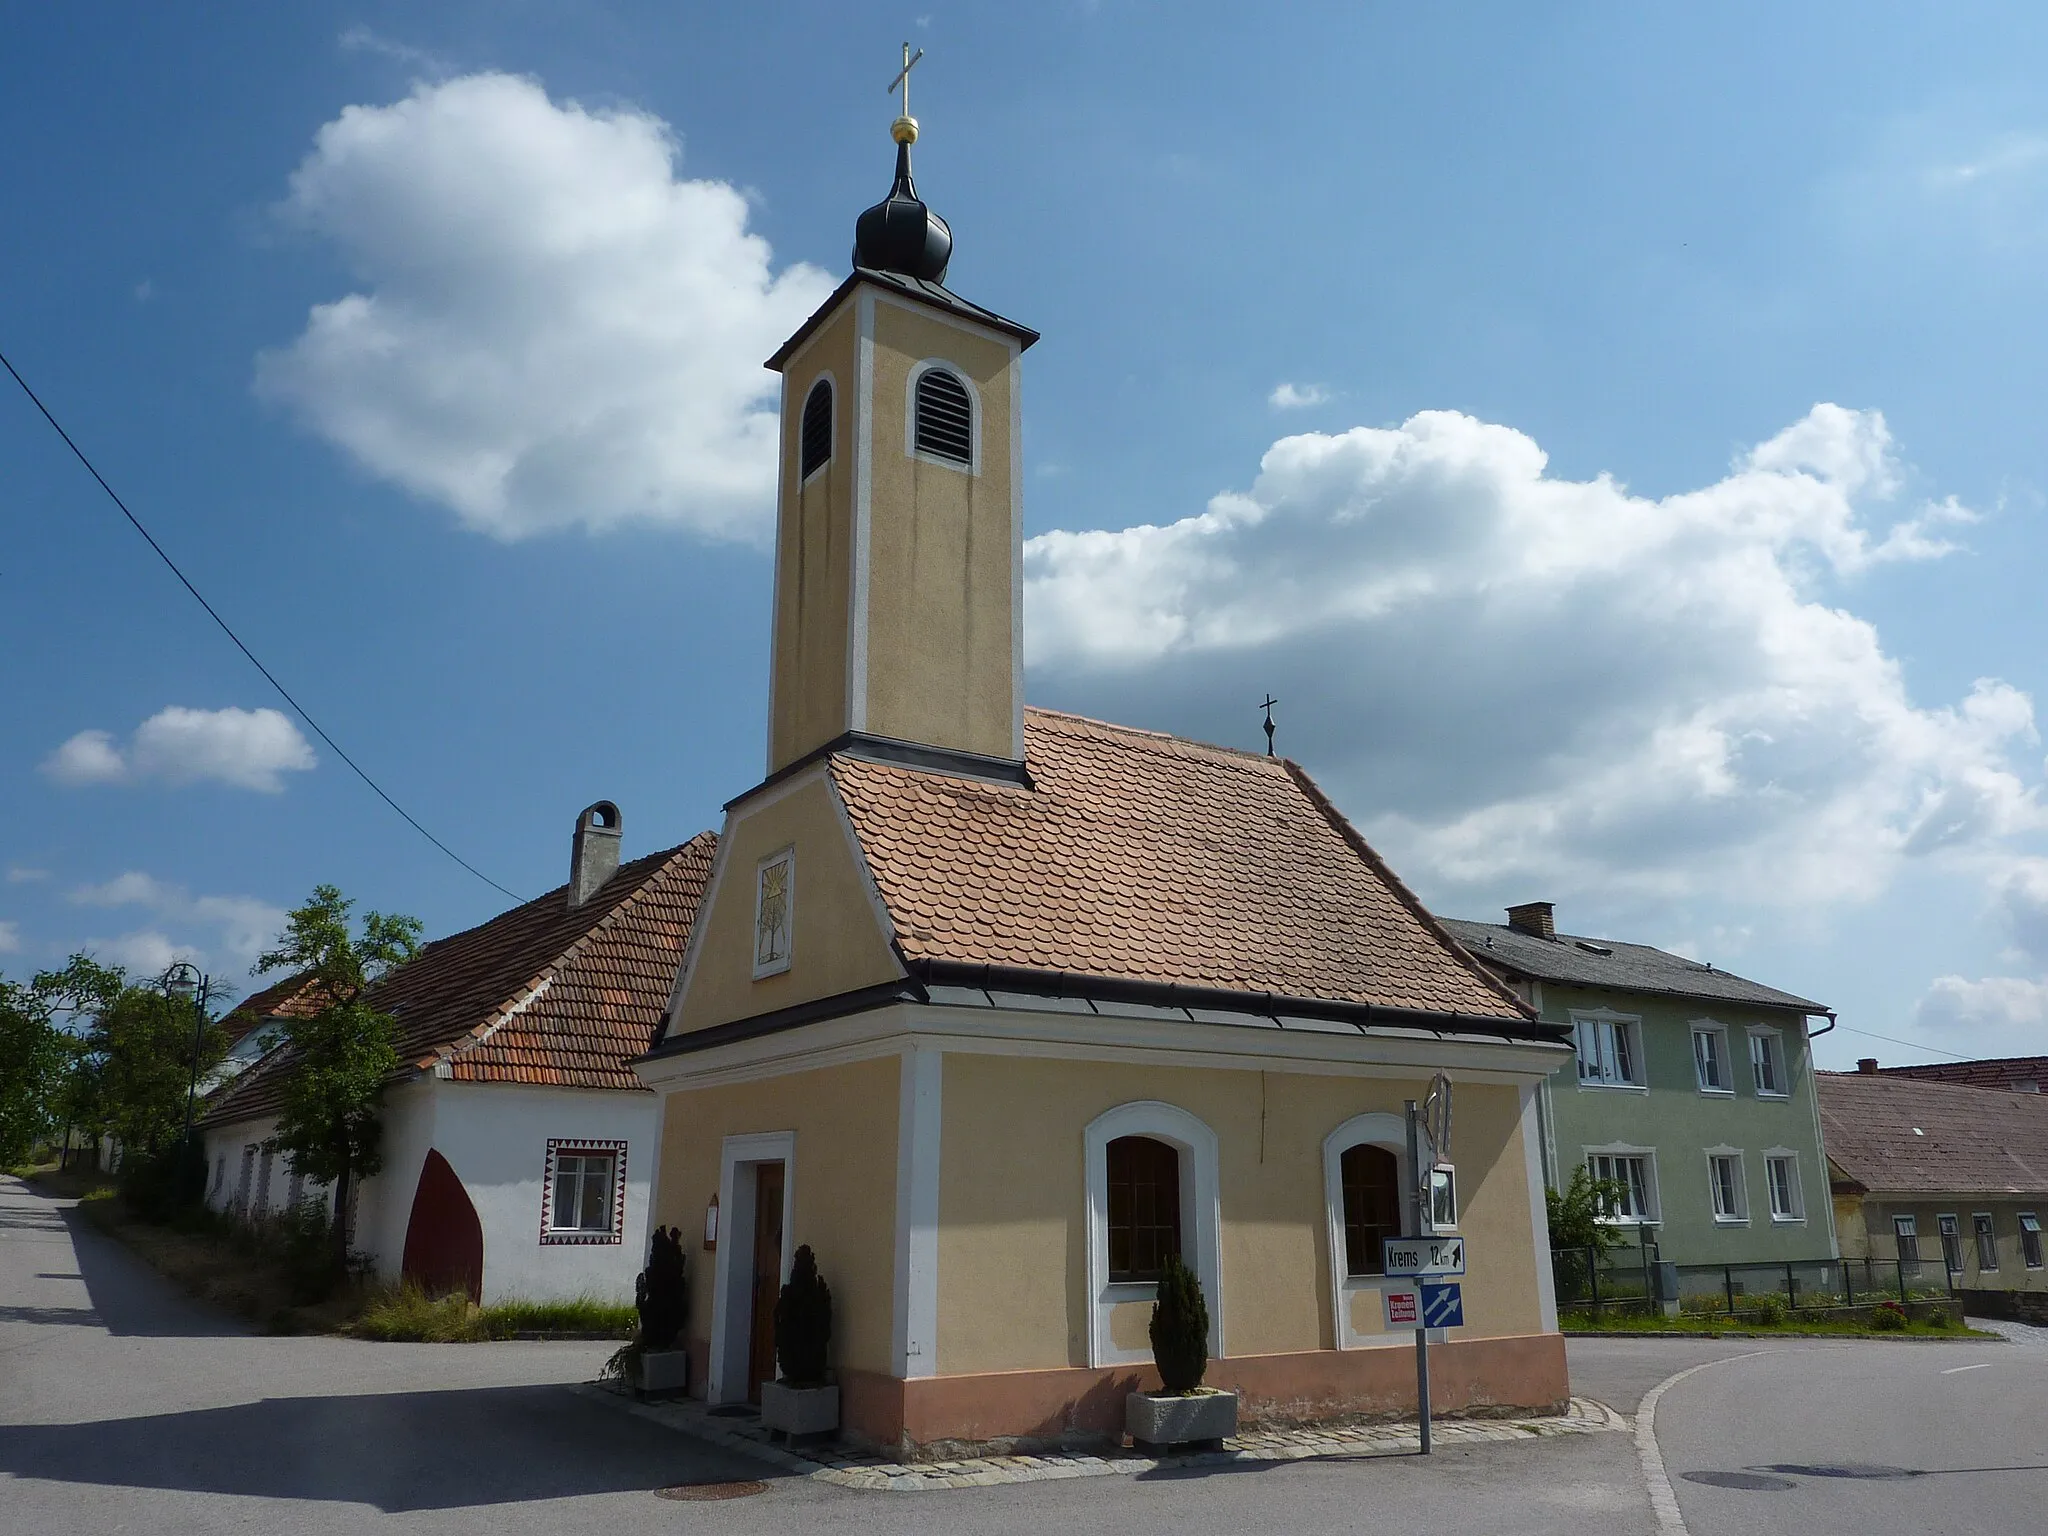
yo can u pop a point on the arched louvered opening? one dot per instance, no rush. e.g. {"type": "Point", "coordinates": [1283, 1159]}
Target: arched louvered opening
{"type": "Point", "coordinates": [816, 436]}
{"type": "Point", "coordinates": [945, 417]}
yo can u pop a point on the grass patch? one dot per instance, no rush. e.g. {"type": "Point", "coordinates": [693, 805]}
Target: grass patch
{"type": "Point", "coordinates": [1715, 1325]}
{"type": "Point", "coordinates": [405, 1313]}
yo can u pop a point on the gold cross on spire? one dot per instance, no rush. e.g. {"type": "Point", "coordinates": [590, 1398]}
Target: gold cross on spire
{"type": "Point", "coordinates": [904, 129]}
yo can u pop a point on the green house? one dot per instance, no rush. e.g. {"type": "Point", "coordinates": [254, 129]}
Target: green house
{"type": "Point", "coordinates": [1693, 1089]}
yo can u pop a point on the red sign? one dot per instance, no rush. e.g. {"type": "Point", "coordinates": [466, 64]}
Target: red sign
{"type": "Point", "coordinates": [1404, 1309]}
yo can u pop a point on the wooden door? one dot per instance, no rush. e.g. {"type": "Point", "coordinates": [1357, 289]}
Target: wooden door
{"type": "Point", "coordinates": [767, 1275]}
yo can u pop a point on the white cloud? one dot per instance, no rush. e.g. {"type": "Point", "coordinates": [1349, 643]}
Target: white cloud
{"type": "Point", "coordinates": [10, 938]}
{"type": "Point", "coordinates": [21, 874]}
{"type": "Point", "coordinates": [554, 331]}
{"type": "Point", "coordinates": [1997, 1016]}
{"type": "Point", "coordinates": [1294, 397]}
{"type": "Point", "coordinates": [1522, 683]}
{"type": "Point", "coordinates": [235, 929]}
{"type": "Point", "coordinates": [143, 954]}
{"type": "Point", "coordinates": [247, 748]}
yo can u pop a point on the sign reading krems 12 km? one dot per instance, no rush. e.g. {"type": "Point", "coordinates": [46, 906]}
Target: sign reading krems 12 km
{"type": "Point", "coordinates": [1437, 1302]}
{"type": "Point", "coordinates": [1423, 1258]}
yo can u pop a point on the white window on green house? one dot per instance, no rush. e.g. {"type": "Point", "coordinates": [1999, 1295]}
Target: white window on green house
{"type": "Point", "coordinates": [1906, 1237]}
{"type": "Point", "coordinates": [1987, 1241]}
{"type": "Point", "coordinates": [1710, 1058]}
{"type": "Point", "coordinates": [1608, 1053]}
{"type": "Point", "coordinates": [2030, 1239]}
{"type": "Point", "coordinates": [1951, 1243]}
{"type": "Point", "coordinates": [1788, 1199]}
{"type": "Point", "coordinates": [1635, 1198]}
{"type": "Point", "coordinates": [1767, 1062]}
{"type": "Point", "coordinates": [1726, 1183]}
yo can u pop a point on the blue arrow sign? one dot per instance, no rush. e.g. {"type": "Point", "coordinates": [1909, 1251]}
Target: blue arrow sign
{"type": "Point", "coordinates": [1443, 1306]}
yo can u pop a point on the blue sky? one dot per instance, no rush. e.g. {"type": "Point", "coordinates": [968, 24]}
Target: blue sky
{"type": "Point", "coordinates": [1615, 438]}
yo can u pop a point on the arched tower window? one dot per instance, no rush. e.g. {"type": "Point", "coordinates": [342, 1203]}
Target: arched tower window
{"type": "Point", "coordinates": [945, 417]}
{"type": "Point", "coordinates": [816, 436]}
{"type": "Point", "coordinates": [1144, 1207]}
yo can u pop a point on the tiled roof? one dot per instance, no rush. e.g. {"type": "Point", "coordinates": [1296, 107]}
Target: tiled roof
{"type": "Point", "coordinates": [2024, 1074]}
{"type": "Point", "coordinates": [1896, 1135]}
{"type": "Point", "coordinates": [544, 994]}
{"type": "Point", "coordinates": [1615, 965]}
{"type": "Point", "coordinates": [291, 998]}
{"type": "Point", "coordinates": [1141, 856]}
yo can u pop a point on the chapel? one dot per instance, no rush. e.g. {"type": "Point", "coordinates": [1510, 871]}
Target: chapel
{"type": "Point", "coordinates": [995, 1008]}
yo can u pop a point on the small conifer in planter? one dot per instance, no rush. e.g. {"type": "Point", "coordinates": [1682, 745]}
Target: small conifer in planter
{"type": "Point", "coordinates": [803, 1323]}
{"type": "Point", "coordinates": [1180, 1328]}
{"type": "Point", "coordinates": [661, 1293]}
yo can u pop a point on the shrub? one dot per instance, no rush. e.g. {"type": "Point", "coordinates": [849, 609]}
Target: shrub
{"type": "Point", "coordinates": [803, 1323]}
{"type": "Point", "coordinates": [571, 1314]}
{"type": "Point", "coordinates": [1765, 1311]}
{"type": "Point", "coordinates": [1939, 1318]}
{"type": "Point", "coordinates": [410, 1315]}
{"type": "Point", "coordinates": [661, 1294]}
{"type": "Point", "coordinates": [1180, 1329]}
{"type": "Point", "coordinates": [1888, 1317]}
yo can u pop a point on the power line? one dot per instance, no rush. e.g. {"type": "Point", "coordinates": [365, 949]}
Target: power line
{"type": "Point", "coordinates": [283, 692]}
{"type": "Point", "coordinates": [1911, 1045]}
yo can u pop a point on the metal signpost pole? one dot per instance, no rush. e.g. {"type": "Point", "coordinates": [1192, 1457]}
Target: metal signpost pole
{"type": "Point", "coordinates": [1421, 1333]}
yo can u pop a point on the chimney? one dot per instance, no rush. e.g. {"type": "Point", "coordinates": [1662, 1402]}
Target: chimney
{"type": "Point", "coordinates": [1533, 917]}
{"type": "Point", "coordinates": [594, 856]}
{"type": "Point", "coordinates": [1867, 1065]}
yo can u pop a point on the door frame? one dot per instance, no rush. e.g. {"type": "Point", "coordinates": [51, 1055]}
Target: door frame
{"type": "Point", "coordinates": [732, 1281]}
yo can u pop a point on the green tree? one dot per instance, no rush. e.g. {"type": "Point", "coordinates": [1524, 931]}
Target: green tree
{"type": "Point", "coordinates": [331, 1122]}
{"type": "Point", "coordinates": [138, 1052]}
{"type": "Point", "coordinates": [1579, 1235]}
{"type": "Point", "coordinates": [33, 1060]}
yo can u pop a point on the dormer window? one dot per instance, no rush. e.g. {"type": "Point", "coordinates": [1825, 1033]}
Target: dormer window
{"type": "Point", "coordinates": [815, 439]}
{"type": "Point", "coordinates": [943, 418]}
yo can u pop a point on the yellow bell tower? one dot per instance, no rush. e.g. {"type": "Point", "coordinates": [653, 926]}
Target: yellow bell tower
{"type": "Point", "coordinates": [899, 524]}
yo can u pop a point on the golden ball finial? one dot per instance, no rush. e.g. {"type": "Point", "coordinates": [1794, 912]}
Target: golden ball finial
{"type": "Point", "coordinates": [904, 130]}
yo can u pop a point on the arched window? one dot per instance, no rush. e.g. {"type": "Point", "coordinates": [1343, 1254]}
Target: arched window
{"type": "Point", "coordinates": [944, 412]}
{"type": "Point", "coordinates": [1372, 1206]}
{"type": "Point", "coordinates": [1144, 1207]}
{"type": "Point", "coordinates": [816, 436]}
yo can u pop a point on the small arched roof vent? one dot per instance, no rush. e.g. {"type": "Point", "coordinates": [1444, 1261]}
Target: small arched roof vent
{"type": "Point", "coordinates": [945, 417]}
{"type": "Point", "coordinates": [816, 433]}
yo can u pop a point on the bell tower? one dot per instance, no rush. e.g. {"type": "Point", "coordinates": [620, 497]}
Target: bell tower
{"type": "Point", "coordinates": [899, 519]}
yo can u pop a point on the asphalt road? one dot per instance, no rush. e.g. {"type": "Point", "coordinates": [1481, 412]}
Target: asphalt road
{"type": "Point", "coordinates": [125, 1408]}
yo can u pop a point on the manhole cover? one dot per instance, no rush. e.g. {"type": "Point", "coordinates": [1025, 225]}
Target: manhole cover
{"type": "Point", "coordinates": [1757, 1481]}
{"type": "Point", "coordinates": [707, 1492]}
{"type": "Point", "coordinates": [1856, 1469]}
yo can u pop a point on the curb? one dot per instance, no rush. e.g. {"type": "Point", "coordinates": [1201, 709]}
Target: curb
{"type": "Point", "coordinates": [1793, 1338]}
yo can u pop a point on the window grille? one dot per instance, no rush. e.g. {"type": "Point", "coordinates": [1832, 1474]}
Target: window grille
{"type": "Point", "coordinates": [1725, 1173]}
{"type": "Point", "coordinates": [1607, 1053]}
{"type": "Point", "coordinates": [1372, 1206]}
{"type": "Point", "coordinates": [1787, 1202]}
{"type": "Point", "coordinates": [945, 417]}
{"type": "Point", "coordinates": [583, 1198]}
{"type": "Point", "coordinates": [1709, 1059]}
{"type": "Point", "coordinates": [1906, 1234]}
{"type": "Point", "coordinates": [816, 434]}
{"type": "Point", "coordinates": [1766, 1063]}
{"type": "Point", "coordinates": [1632, 1203]}
{"type": "Point", "coordinates": [1144, 1207]}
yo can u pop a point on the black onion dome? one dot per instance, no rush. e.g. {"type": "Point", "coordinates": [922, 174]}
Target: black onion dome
{"type": "Point", "coordinates": [900, 234]}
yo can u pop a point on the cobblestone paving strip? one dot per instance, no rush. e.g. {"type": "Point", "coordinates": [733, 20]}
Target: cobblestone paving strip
{"type": "Point", "coordinates": [846, 1468]}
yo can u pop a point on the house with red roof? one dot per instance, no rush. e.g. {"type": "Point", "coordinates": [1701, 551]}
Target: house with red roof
{"type": "Point", "coordinates": [517, 1144]}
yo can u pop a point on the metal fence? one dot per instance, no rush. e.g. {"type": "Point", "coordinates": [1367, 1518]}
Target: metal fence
{"type": "Point", "coordinates": [1636, 1278]}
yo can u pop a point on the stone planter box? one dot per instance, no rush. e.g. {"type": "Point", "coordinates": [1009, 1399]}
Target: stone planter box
{"type": "Point", "coordinates": [1158, 1420]}
{"type": "Point", "coordinates": [663, 1374]}
{"type": "Point", "coordinates": [798, 1411]}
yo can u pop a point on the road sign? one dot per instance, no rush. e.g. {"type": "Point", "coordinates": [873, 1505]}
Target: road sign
{"type": "Point", "coordinates": [1404, 1307]}
{"type": "Point", "coordinates": [1419, 1257]}
{"type": "Point", "coordinates": [1443, 1306]}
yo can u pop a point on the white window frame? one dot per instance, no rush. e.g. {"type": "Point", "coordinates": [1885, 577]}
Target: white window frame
{"type": "Point", "coordinates": [974, 419]}
{"type": "Point", "coordinates": [1795, 1186]}
{"type": "Point", "coordinates": [2030, 1253]}
{"type": "Point", "coordinates": [1774, 1039]}
{"type": "Point", "coordinates": [1906, 1228]}
{"type": "Point", "coordinates": [1629, 1027]}
{"type": "Point", "coordinates": [1981, 1236]}
{"type": "Point", "coordinates": [1653, 1214]}
{"type": "Point", "coordinates": [1738, 1216]}
{"type": "Point", "coordinates": [779, 965]}
{"type": "Point", "coordinates": [1950, 1226]}
{"type": "Point", "coordinates": [1201, 1221]}
{"type": "Point", "coordinates": [1377, 1129]}
{"type": "Point", "coordinates": [552, 1236]}
{"type": "Point", "coordinates": [1718, 1033]}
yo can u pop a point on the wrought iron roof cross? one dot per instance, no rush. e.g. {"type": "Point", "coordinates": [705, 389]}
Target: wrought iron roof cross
{"type": "Point", "coordinates": [1267, 704]}
{"type": "Point", "coordinates": [903, 75]}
